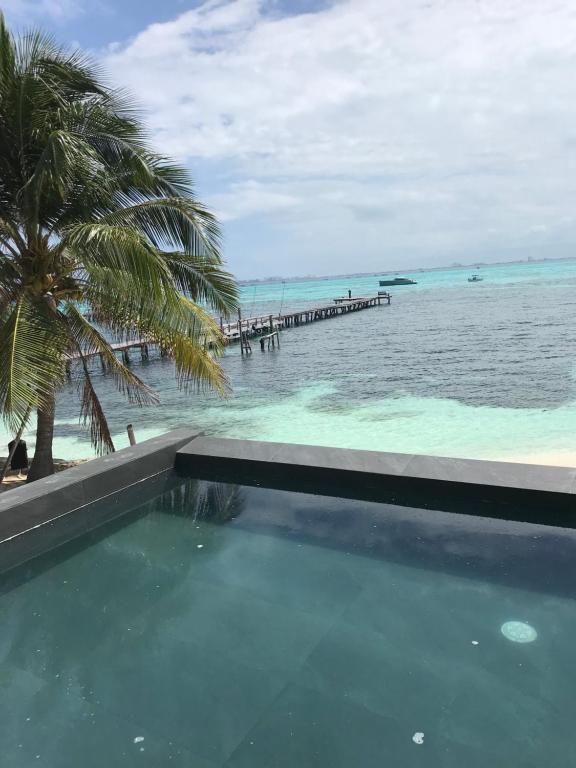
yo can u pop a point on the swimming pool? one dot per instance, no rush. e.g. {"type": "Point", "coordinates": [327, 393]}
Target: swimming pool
{"type": "Point", "coordinates": [216, 624]}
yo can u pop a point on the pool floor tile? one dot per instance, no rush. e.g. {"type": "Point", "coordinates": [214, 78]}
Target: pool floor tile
{"type": "Point", "coordinates": [460, 706]}
{"type": "Point", "coordinates": [63, 725]}
{"type": "Point", "coordinates": [197, 699]}
{"type": "Point", "coordinates": [362, 669]}
{"type": "Point", "coordinates": [289, 573]}
{"type": "Point", "coordinates": [304, 728]}
{"type": "Point", "coordinates": [74, 608]}
{"type": "Point", "coordinates": [236, 625]}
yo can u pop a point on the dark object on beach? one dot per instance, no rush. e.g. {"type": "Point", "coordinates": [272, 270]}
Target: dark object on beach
{"type": "Point", "coordinates": [349, 293]}
{"type": "Point", "coordinates": [20, 456]}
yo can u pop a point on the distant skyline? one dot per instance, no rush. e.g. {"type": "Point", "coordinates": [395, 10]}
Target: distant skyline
{"type": "Point", "coordinates": [356, 135]}
{"type": "Point", "coordinates": [391, 271]}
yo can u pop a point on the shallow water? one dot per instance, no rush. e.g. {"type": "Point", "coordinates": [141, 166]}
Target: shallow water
{"type": "Point", "coordinates": [450, 368]}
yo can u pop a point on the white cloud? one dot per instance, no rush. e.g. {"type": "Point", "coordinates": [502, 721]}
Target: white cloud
{"type": "Point", "coordinates": [450, 123]}
{"type": "Point", "coordinates": [248, 197]}
{"type": "Point", "coordinates": [38, 10]}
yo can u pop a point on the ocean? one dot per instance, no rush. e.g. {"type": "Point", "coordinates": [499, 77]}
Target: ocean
{"type": "Point", "coordinates": [450, 368]}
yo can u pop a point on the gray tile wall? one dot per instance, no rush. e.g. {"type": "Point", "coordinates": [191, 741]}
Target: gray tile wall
{"type": "Point", "coordinates": [500, 489]}
{"type": "Point", "coordinates": [41, 511]}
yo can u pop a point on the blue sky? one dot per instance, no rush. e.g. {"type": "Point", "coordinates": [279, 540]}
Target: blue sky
{"type": "Point", "coordinates": [353, 135]}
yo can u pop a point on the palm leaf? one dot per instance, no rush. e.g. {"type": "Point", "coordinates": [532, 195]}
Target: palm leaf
{"type": "Point", "coordinates": [7, 59]}
{"type": "Point", "coordinates": [204, 281]}
{"type": "Point", "coordinates": [196, 366]}
{"type": "Point", "coordinates": [129, 312]}
{"type": "Point", "coordinates": [121, 249]}
{"type": "Point", "coordinates": [187, 331]}
{"type": "Point", "coordinates": [89, 340]}
{"type": "Point", "coordinates": [64, 158]}
{"type": "Point", "coordinates": [182, 223]}
{"type": "Point", "coordinates": [32, 344]}
{"type": "Point", "coordinates": [91, 412]}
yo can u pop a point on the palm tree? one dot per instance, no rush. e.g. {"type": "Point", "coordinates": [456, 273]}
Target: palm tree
{"type": "Point", "coordinates": [100, 237]}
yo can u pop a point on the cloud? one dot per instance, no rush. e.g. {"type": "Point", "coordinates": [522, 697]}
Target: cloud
{"type": "Point", "coordinates": [245, 198]}
{"type": "Point", "coordinates": [38, 10]}
{"type": "Point", "coordinates": [453, 118]}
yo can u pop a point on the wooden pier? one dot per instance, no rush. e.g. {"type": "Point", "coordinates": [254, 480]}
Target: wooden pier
{"type": "Point", "coordinates": [263, 328]}
{"type": "Point", "coordinates": [124, 348]}
{"type": "Point", "coordinates": [250, 327]}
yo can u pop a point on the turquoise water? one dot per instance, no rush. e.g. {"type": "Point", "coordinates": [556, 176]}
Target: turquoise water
{"type": "Point", "coordinates": [235, 627]}
{"type": "Point", "coordinates": [450, 368]}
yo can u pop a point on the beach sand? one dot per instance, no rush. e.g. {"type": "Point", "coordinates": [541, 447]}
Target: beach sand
{"type": "Point", "coordinates": [553, 459]}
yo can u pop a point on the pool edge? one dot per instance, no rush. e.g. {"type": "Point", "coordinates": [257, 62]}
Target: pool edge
{"type": "Point", "coordinates": [524, 492]}
{"type": "Point", "coordinates": [40, 506]}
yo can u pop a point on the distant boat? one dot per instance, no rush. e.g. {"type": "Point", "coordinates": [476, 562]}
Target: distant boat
{"type": "Point", "coordinates": [475, 278]}
{"type": "Point", "coordinates": [398, 281]}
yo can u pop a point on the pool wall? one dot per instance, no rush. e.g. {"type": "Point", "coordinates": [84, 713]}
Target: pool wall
{"type": "Point", "coordinates": [48, 512]}
{"type": "Point", "coordinates": [45, 514]}
{"type": "Point", "coordinates": [525, 492]}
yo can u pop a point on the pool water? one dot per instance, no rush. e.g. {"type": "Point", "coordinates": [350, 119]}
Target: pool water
{"type": "Point", "coordinates": [220, 625]}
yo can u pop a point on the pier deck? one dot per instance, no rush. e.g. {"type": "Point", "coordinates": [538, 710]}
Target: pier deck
{"type": "Point", "coordinates": [124, 347]}
{"type": "Point", "coordinates": [255, 326]}
{"type": "Point", "coordinates": [262, 326]}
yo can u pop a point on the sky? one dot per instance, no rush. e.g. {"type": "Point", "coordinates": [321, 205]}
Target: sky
{"type": "Point", "coordinates": [338, 136]}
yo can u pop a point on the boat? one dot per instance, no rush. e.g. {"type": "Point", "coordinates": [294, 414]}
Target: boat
{"type": "Point", "coordinates": [398, 281]}
{"type": "Point", "coordinates": [475, 278]}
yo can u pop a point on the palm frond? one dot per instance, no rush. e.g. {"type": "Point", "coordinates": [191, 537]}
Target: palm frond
{"type": "Point", "coordinates": [10, 280]}
{"type": "Point", "coordinates": [196, 366]}
{"type": "Point", "coordinates": [10, 237]}
{"type": "Point", "coordinates": [66, 74]}
{"type": "Point", "coordinates": [121, 249]}
{"type": "Point", "coordinates": [64, 158]}
{"type": "Point", "coordinates": [89, 340]}
{"type": "Point", "coordinates": [120, 304]}
{"type": "Point", "coordinates": [32, 345]}
{"type": "Point", "coordinates": [178, 222]}
{"type": "Point", "coordinates": [169, 179]}
{"type": "Point", "coordinates": [7, 59]}
{"type": "Point", "coordinates": [186, 330]}
{"type": "Point", "coordinates": [204, 281]}
{"type": "Point", "coordinates": [91, 412]}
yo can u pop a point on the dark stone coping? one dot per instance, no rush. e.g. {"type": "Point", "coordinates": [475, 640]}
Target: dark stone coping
{"type": "Point", "coordinates": [49, 512]}
{"type": "Point", "coordinates": [525, 492]}
{"type": "Point", "coordinates": [41, 512]}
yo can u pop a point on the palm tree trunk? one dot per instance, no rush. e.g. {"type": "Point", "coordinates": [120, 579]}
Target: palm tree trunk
{"type": "Point", "coordinates": [43, 463]}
